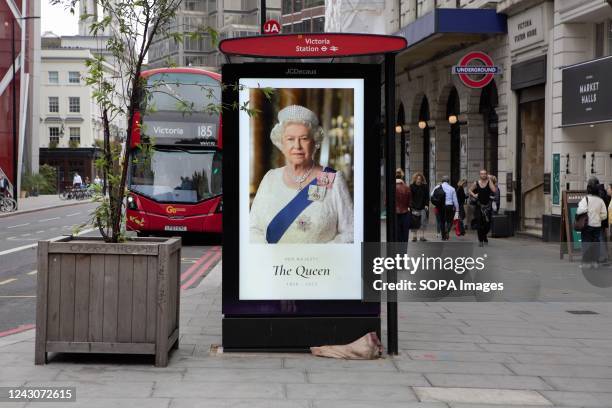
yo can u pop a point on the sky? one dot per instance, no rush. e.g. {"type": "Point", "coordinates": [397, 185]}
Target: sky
{"type": "Point", "coordinates": [58, 20]}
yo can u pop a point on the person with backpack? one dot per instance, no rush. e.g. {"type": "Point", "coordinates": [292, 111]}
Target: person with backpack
{"type": "Point", "coordinates": [444, 198]}
{"type": "Point", "coordinates": [594, 210]}
{"type": "Point", "coordinates": [481, 194]}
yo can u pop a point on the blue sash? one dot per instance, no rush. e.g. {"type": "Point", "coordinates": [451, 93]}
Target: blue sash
{"type": "Point", "coordinates": [285, 217]}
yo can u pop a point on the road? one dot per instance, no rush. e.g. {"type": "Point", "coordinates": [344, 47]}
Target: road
{"type": "Point", "coordinates": [19, 235]}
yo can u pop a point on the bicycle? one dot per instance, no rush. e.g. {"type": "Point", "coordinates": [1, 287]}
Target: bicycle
{"type": "Point", "coordinates": [7, 204]}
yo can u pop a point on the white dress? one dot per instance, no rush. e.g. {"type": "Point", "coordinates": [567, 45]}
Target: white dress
{"type": "Point", "coordinates": [328, 220]}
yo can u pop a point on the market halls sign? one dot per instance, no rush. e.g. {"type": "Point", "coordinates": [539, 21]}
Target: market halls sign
{"type": "Point", "coordinates": [587, 93]}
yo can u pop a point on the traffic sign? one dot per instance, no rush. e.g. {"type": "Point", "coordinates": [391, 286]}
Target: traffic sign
{"type": "Point", "coordinates": [272, 27]}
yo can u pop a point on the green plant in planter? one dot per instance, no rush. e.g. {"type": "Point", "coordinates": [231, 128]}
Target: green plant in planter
{"type": "Point", "coordinates": [53, 144]}
{"type": "Point", "coordinates": [34, 183]}
{"type": "Point", "coordinates": [73, 144]}
{"type": "Point", "coordinates": [49, 173]}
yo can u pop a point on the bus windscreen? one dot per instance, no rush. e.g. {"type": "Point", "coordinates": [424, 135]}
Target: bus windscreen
{"type": "Point", "coordinates": [178, 176]}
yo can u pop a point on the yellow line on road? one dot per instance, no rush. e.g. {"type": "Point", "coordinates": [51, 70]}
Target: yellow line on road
{"type": "Point", "coordinates": [4, 282]}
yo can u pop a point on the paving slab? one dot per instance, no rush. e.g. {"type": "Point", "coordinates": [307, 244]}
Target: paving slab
{"type": "Point", "coordinates": [481, 396]}
{"type": "Point", "coordinates": [469, 356]}
{"type": "Point", "coordinates": [458, 367]}
{"type": "Point", "coordinates": [236, 403]}
{"type": "Point", "coordinates": [245, 375]}
{"type": "Point", "coordinates": [377, 394]}
{"type": "Point", "coordinates": [581, 399]}
{"type": "Point", "coordinates": [580, 384]}
{"type": "Point", "coordinates": [358, 377]}
{"type": "Point", "coordinates": [105, 403]}
{"type": "Point", "coordinates": [560, 370]}
{"type": "Point", "coordinates": [509, 382]}
{"type": "Point", "coordinates": [205, 390]}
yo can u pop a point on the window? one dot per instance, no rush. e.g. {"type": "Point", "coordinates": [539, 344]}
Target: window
{"type": "Point", "coordinates": [53, 77]}
{"type": "Point", "coordinates": [74, 104]}
{"type": "Point", "coordinates": [74, 77]}
{"type": "Point", "coordinates": [75, 135]}
{"type": "Point", "coordinates": [603, 39]}
{"type": "Point", "coordinates": [53, 104]}
{"type": "Point", "coordinates": [54, 135]}
{"type": "Point", "coordinates": [609, 37]}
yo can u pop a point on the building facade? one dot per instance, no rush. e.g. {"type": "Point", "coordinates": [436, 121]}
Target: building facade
{"type": "Point", "coordinates": [70, 125]}
{"type": "Point", "coordinates": [302, 16]}
{"type": "Point", "coordinates": [229, 18]}
{"type": "Point", "coordinates": [19, 76]}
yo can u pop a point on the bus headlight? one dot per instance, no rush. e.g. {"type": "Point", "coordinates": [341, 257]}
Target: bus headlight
{"type": "Point", "coordinates": [131, 203]}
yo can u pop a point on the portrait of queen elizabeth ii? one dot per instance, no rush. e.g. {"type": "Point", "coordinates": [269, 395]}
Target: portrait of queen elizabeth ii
{"type": "Point", "coordinates": [301, 202]}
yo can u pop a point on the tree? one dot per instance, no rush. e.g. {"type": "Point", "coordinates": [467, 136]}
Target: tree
{"type": "Point", "coordinates": [129, 28]}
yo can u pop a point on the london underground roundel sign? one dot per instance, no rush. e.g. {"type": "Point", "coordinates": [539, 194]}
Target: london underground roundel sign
{"type": "Point", "coordinates": [476, 75]}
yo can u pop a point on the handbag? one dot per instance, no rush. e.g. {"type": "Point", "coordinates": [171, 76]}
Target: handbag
{"type": "Point", "coordinates": [415, 220]}
{"type": "Point", "coordinates": [581, 220]}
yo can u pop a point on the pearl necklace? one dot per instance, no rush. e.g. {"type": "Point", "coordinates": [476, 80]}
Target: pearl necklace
{"type": "Point", "coordinates": [300, 179]}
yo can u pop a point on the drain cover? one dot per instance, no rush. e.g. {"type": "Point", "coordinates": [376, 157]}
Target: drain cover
{"type": "Point", "coordinates": [582, 312]}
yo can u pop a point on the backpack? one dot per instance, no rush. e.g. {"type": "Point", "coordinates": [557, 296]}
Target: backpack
{"type": "Point", "coordinates": [582, 220]}
{"type": "Point", "coordinates": [438, 197]}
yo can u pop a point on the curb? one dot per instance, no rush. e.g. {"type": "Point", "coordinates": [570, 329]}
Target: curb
{"type": "Point", "coordinates": [31, 210]}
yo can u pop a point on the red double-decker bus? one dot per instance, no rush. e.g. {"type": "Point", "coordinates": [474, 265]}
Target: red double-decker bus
{"type": "Point", "coordinates": [177, 187]}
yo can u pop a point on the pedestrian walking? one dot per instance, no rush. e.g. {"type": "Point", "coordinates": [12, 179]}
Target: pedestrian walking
{"type": "Point", "coordinates": [461, 199]}
{"type": "Point", "coordinates": [596, 211]}
{"type": "Point", "coordinates": [444, 198]}
{"type": "Point", "coordinates": [419, 206]}
{"type": "Point", "coordinates": [480, 196]}
{"type": "Point", "coordinates": [76, 180]}
{"type": "Point", "coordinates": [403, 197]}
{"type": "Point", "coordinates": [496, 198]}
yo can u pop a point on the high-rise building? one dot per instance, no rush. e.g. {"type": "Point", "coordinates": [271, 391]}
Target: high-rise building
{"type": "Point", "coordinates": [230, 18]}
{"type": "Point", "coordinates": [303, 16]}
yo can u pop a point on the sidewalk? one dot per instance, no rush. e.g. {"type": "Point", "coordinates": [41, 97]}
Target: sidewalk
{"type": "Point", "coordinates": [456, 355]}
{"type": "Point", "coordinates": [42, 202]}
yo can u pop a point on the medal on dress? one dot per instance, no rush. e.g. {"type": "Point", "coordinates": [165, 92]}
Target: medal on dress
{"type": "Point", "coordinates": [303, 223]}
{"type": "Point", "coordinates": [326, 179]}
{"type": "Point", "coordinates": [316, 193]}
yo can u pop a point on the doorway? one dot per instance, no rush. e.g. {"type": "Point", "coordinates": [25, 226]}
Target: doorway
{"type": "Point", "coordinates": [488, 103]}
{"type": "Point", "coordinates": [452, 110]}
{"type": "Point", "coordinates": [530, 158]}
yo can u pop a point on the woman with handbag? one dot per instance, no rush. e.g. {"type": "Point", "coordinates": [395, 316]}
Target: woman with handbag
{"type": "Point", "coordinates": [419, 205]}
{"type": "Point", "coordinates": [589, 215]}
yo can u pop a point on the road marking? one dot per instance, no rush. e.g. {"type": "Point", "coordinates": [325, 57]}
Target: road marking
{"type": "Point", "coordinates": [16, 330]}
{"type": "Point", "coordinates": [18, 225]}
{"type": "Point", "coordinates": [21, 239]}
{"type": "Point", "coordinates": [73, 214]}
{"type": "Point", "coordinates": [21, 248]}
{"type": "Point", "coordinates": [33, 272]}
{"type": "Point", "coordinates": [49, 219]}
{"type": "Point", "coordinates": [25, 235]}
{"type": "Point", "coordinates": [39, 232]}
{"type": "Point", "coordinates": [16, 296]}
{"type": "Point", "coordinates": [4, 282]}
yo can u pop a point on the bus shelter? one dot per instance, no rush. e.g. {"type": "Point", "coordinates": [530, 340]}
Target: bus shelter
{"type": "Point", "coordinates": [292, 266]}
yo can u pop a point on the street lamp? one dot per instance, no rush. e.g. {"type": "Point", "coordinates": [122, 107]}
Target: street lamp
{"type": "Point", "coordinates": [14, 89]}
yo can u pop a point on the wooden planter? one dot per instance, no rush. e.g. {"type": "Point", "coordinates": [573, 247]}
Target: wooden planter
{"type": "Point", "coordinates": [96, 297]}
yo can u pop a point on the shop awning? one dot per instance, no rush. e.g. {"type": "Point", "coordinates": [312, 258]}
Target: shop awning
{"type": "Point", "coordinates": [444, 31]}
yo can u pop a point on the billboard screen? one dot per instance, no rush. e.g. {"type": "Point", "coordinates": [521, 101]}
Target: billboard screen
{"type": "Point", "coordinates": [302, 221]}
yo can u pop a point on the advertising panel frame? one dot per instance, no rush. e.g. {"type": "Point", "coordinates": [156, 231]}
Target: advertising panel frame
{"type": "Point", "coordinates": [272, 325]}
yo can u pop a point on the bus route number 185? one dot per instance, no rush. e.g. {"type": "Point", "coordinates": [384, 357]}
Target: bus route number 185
{"type": "Point", "coordinates": [206, 131]}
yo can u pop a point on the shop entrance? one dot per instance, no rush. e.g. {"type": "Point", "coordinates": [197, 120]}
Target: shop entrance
{"type": "Point", "coordinates": [488, 103]}
{"type": "Point", "coordinates": [530, 158]}
{"type": "Point", "coordinates": [429, 170]}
